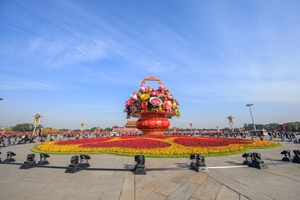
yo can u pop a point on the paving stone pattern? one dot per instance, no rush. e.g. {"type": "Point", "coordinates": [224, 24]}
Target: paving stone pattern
{"type": "Point", "coordinates": [109, 178]}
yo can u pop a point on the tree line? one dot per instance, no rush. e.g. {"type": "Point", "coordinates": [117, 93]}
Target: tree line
{"type": "Point", "coordinates": [289, 126]}
{"type": "Point", "coordinates": [28, 127]}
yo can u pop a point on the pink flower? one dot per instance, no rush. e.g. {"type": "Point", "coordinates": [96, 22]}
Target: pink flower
{"type": "Point", "coordinates": [161, 87]}
{"type": "Point", "coordinates": [155, 101]}
{"type": "Point", "coordinates": [134, 97]}
{"type": "Point", "coordinates": [142, 89]}
{"type": "Point", "coordinates": [153, 93]}
{"type": "Point", "coordinates": [128, 103]}
{"type": "Point", "coordinates": [170, 96]}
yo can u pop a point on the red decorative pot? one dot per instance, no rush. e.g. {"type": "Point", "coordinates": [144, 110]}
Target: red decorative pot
{"type": "Point", "coordinates": [153, 122]}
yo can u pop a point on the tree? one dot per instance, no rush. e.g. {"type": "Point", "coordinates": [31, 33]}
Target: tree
{"type": "Point", "coordinates": [248, 127]}
{"type": "Point", "coordinates": [259, 126]}
{"type": "Point", "coordinates": [93, 129]}
{"type": "Point", "coordinates": [49, 129]}
{"type": "Point", "coordinates": [63, 129]}
{"type": "Point", "coordinates": [9, 129]}
{"type": "Point", "coordinates": [108, 129]}
{"type": "Point", "coordinates": [273, 126]}
{"type": "Point", "coordinates": [25, 127]}
{"type": "Point", "coordinates": [292, 126]}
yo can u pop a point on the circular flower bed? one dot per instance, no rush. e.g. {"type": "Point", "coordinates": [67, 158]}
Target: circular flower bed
{"type": "Point", "coordinates": [154, 146]}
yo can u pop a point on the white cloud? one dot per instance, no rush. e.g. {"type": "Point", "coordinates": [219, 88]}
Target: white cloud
{"type": "Point", "coordinates": [73, 50]}
{"type": "Point", "coordinates": [13, 83]}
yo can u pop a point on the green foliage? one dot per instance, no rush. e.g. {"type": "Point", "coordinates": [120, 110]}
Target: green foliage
{"type": "Point", "coordinates": [63, 129]}
{"type": "Point", "coordinates": [9, 129]}
{"type": "Point", "coordinates": [292, 126]}
{"type": "Point", "coordinates": [26, 127]}
{"type": "Point", "coordinates": [49, 129]}
{"type": "Point", "coordinates": [108, 129]}
{"type": "Point", "coordinates": [93, 129]}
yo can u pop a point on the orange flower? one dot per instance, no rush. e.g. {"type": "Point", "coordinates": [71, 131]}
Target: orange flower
{"type": "Point", "coordinates": [166, 105]}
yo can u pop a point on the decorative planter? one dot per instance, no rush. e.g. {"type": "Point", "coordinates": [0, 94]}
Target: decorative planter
{"type": "Point", "coordinates": [153, 107]}
{"type": "Point", "coordinates": [154, 122]}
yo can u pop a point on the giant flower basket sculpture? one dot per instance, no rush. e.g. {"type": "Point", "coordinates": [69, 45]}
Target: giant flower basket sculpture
{"type": "Point", "coordinates": [153, 107]}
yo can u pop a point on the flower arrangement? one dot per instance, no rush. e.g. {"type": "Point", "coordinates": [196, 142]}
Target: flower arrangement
{"type": "Point", "coordinates": [147, 99]}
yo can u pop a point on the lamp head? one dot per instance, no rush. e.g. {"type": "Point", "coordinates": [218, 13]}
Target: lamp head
{"type": "Point", "coordinates": [44, 156]}
{"type": "Point", "coordinates": [200, 160]}
{"type": "Point", "coordinates": [286, 152]}
{"type": "Point", "coordinates": [10, 154]}
{"type": "Point", "coordinates": [256, 157]}
{"type": "Point", "coordinates": [139, 159]}
{"type": "Point", "coordinates": [193, 156]}
{"type": "Point", "coordinates": [85, 157]}
{"type": "Point", "coordinates": [30, 157]}
{"type": "Point", "coordinates": [297, 153]}
{"type": "Point", "coordinates": [75, 160]}
{"type": "Point", "coordinates": [246, 155]}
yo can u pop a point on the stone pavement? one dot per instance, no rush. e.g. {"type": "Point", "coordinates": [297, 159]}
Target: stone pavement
{"type": "Point", "coordinates": [109, 177]}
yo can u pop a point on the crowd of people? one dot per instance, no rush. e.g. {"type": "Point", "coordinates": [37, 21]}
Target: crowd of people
{"type": "Point", "coordinates": [13, 139]}
{"type": "Point", "coordinates": [98, 135]}
{"type": "Point", "coordinates": [283, 135]}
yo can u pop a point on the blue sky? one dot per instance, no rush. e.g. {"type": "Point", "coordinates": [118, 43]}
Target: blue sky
{"type": "Point", "coordinates": [79, 61]}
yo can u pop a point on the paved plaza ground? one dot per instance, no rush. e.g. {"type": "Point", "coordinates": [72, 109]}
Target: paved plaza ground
{"type": "Point", "coordinates": [110, 177]}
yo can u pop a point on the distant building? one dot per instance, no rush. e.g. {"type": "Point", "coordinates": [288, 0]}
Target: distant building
{"type": "Point", "coordinates": [130, 124]}
{"type": "Point", "coordinates": [129, 127]}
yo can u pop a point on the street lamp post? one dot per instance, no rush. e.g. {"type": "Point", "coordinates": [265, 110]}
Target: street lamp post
{"type": "Point", "coordinates": [249, 105]}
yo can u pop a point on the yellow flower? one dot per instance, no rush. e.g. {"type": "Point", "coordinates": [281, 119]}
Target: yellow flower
{"type": "Point", "coordinates": [145, 97]}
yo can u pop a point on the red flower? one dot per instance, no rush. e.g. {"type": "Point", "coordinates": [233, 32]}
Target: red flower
{"type": "Point", "coordinates": [140, 143]}
{"type": "Point", "coordinates": [208, 142]}
{"type": "Point", "coordinates": [144, 105]}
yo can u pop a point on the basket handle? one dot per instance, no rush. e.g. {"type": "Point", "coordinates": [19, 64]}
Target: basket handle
{"type": "Point", "coordinates": [151, 78]}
